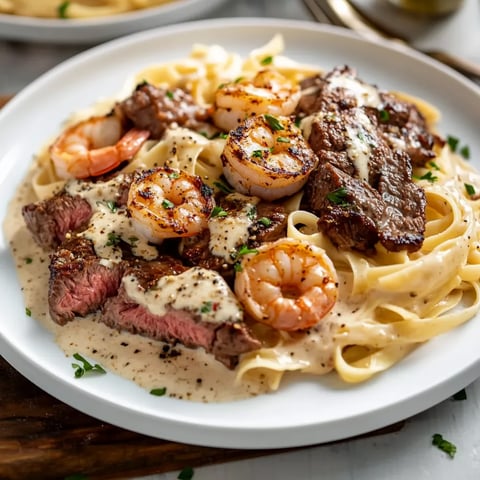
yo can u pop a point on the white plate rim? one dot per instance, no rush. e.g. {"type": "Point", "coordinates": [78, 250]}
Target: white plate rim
{"type": "Point", "coordinates": [263, 423]}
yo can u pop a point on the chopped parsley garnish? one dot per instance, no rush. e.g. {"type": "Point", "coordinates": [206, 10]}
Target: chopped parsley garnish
{"type": "Point", "coordinates": [173, 175]}
{"type": "Point", "coordinates": [158, 392]}
{"type": "Point", "coordinates": [252, 213]}
{"type": "Point", "coordinates": [267, 60]}
{"type": "Point", "coordinates": [298, 121]}
{"type": "Point", "coordinates": [186, 474]}
{"type": "Point", "coordinates": [283, 140]}
{"type": "Point", "coordinates": [223, 135]}
{"type": "Point", "coordinates": [113, 239]}
{"type": "Point", "coordinates": [132, 240]}
{"type": "Point", "coordinates": [465, 152]}
{"type": "Point", "coordinates": [444, 445]}
{"type": "Point", "coordinates": [384, 115]}
{"type": "Point", "coordinates": [28, 312]}
{"type": "Point", "coordinates": [223, 187]}
{"type": "Point", "coordinates": [461, 395]}
{"type": "Point", "coordinates": [206, 307]}
{"type": "Point", "coordinates": [453, 143]}
{"type": "Point", "coordinates": [238, 79]}
{"type": "Point", "coordinates": [86, 367]}
{"type": "Point", "coordinates": [169, 94]}
{"type": "Point", "coordinates": [338, 197]}
{"type": "Point", "coordinates": [258, 153]}
{"type": "Point", "coordinates": [244, 250]}
{"type": "Point", "coordinates": [274, 122]}
{"type": "Point", "coordinates": [167, 204]}
{"type": "Point", "coordinates": [28, 260]}
{"type": "Point", "coordinates": [434, 165]}
{"type": "Point", "coordinates": [470, 189]}
{"type": "Point", "coordinates": [265, 221]}
{"type": "Point", "coordinates": [110, 204]}
{"type": "Point", "coordinates": [62, 9]}
{"type": "Point", "coordinates": [218, 212]}
{"type": "Point", "coordinates": [429, 176]}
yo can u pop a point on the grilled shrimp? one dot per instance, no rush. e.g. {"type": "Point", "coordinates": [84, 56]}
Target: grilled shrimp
{"type": "Point", "coordinates": [289, 284]}
{"type": "Point", "coordinates": [268, 157]}
{"type": "Point", "coordinates": [169, 203]}
{"type": "Point", "coordinates": [268, 92]}
{"type": "Point", "coordinates": [94, 146]}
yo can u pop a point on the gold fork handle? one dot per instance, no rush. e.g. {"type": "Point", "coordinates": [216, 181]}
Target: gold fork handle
{"type": "Point", "coordinates": [342, 13]}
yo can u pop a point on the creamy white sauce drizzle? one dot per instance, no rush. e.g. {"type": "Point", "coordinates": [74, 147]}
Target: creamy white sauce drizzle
{"type": "Point", "coordinates": [230, 232]}
{"type": "Point", "coordinates": [359, 144]}
{"type": "Point", "coordinates": [366, 95]}
{"type": "Point", "coordinates": [198, 290]}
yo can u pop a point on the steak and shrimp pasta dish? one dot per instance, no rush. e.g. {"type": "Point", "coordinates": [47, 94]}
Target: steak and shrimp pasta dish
{"type": "Point", "coordinates": [224, 220]}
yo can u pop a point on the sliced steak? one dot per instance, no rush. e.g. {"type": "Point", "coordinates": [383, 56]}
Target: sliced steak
{"type": "Point", "coordinates": [68, 211]}
{"type": "Point", "coordinates": [79, 282]}
{"type": "Point", "coordinates": [226, 340]}
{"type": "Point", "coordinates": [51, 219]}
{"type": "Point", "coordinates": [362, 189]}
{"type": "Point", "coordinates": [155, 109]}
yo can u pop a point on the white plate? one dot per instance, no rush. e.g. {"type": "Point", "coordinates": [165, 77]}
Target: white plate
{"type": "Point", "coordinates": [306, 410]}
{"type": "Point", "coordinates": [100, 29]}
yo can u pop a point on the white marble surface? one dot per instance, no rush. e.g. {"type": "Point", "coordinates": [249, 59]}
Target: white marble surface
{"type": "Point", "coordinates": [408, 453]}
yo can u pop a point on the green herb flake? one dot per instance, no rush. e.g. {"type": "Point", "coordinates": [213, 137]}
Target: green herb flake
{"type": "Point", "coordinates": [133, 240]}
{"type": "Point", "coordinates": [169, 94]}
{"type": "Point", "coordinates": [113, 239]}
{"type": "Point", "coordinates": [62, 9]}
{"type": "Point", "coordinates": [384, 115]}
{"type": "Point", "coordinates": [434, 165]}
{"type": "Point", "coordinates": [218, 212]}
{"type": "Point", "coordinates": [112, 206]}
{"type": "Point", "coordinates": [186, 474]}
{"type": "Point", "coordinates": [470, 189]}
{"type": "Point", "coordinates": [465, 152]}
{"type": "Point", "coordinates": [252, 213]}
{"type": "Point", "coordinates": [28, 312]}
{"type": "Point", "coordinates": [283, 140]}
{"type": "Point", "coordinates": [158, 392]}
{"type": "Point", "coordinates": [237, 267]}
{"type": "Point", "coordinates": [223, 187]}
{"type": "Point", "coordinates": [265, 221]}
{"type": "Point", "coordinates": [206, 307]}
{"type": "Point", "coordinates": [429, 176]}
{"type": "Point", "coordinates": [244, 250]}
{"type": "Point", "coordinates": [274, 122]}
{"type": "Point", "coordinates": [257, 153]}
{"type": "Point", "coordinates": [267, 60]}
{"type": "Point", "coordinates": [449, 448]}
{"type": "Point", "coordinates": [453, 142]}
{"type": "Point", "coordinates": [298, 121]}
{"type": "Point", "coordinates": [238, 79]}
{"type": "Point", "coordinates": [338, 196]}
{"type": "Point", "coordinates": [167, 204]}
{"type": "Point", "coordinates": [28, 260]}
{"type": "Point", "coordinates": [459, 396]}
{"type": "Point", "coordinates": [223, 135]}
{"type": "Point", "coordinates": [173, 175]}
{"type": "Point", "coordinates": [86, 367]}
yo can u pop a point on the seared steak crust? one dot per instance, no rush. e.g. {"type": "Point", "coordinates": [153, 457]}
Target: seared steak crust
{"type": "Point", "coordinates": [155, 109]}
{"type": "Point", "coordinates": [362, 189]}
{"type": "Point", "coordinates": [51, 219]}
